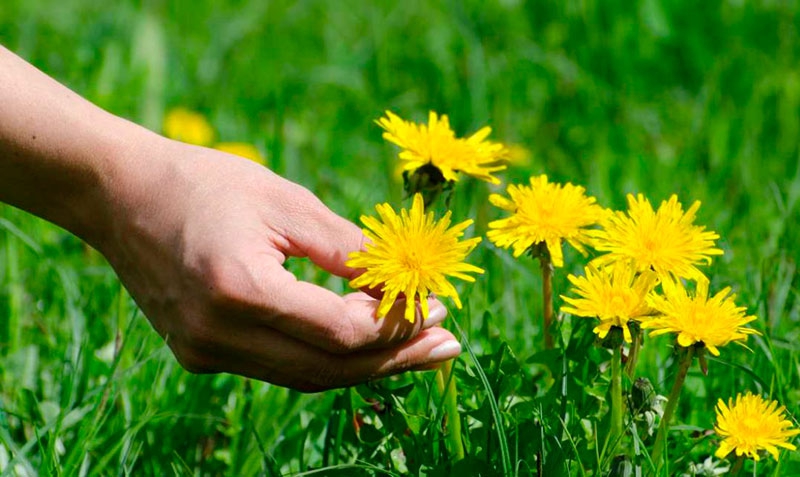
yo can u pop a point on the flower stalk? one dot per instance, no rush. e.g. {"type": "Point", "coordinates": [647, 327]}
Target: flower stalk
{"type": "Point", "coordinates": [635, 347]}
{"type": "Point", "coordinates": [547, 296]}
{"type": "Point", "coordinates": [738, 465]}
{"type": "Point", "coordinates": [446, 383]}
{"type": "Point", "coordinates": [616, 398]}
{"type": "Point", "coordinates": [672, 403]}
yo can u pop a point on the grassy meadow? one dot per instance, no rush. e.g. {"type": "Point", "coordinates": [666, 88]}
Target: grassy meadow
{"type": "Point", "coordinates": [701, 100]}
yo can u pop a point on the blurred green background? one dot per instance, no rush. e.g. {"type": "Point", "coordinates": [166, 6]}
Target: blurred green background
{"type": "Point", "coordinates": [648, 96]}
{"type": "Point", "coordinates": [658, 97]}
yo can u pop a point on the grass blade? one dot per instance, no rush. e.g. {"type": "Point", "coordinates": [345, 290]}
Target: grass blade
{"type": "Point", "coordinates": [498, 419]}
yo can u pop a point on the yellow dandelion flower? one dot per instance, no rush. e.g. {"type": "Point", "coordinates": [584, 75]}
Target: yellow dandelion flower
{"type": "Point", "coordinates": [614, 295]}
{"type": "Point", "coordinates": [188, 126]}
{"type": "Point", "coordinates": [751, 424]}
{"type": "Point", "coordinates": [666, 240]}
{"type": "Point", "coordinates": [714, 321]}
{"type": "Point", "coordinates": [242, 149]}
{"type": "Point", "coordinates": [436, 144]}
{"type": "Point", "coordinates": [414, 254]}
{"type": "Point", "coordinates": [519, 155]}
{"type": "Point", "coordinates": [547, 213]}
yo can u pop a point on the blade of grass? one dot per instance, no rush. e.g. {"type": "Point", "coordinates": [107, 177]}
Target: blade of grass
{"type": "Point", "coordinates": [498, 418]}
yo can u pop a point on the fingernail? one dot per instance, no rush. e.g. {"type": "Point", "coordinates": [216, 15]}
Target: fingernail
{"type": "Point", "coordinates": [436, 314]}
{"type": "Point", "coordinates": [444, 351]}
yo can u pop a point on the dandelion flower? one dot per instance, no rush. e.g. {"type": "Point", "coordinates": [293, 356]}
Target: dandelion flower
{"type": "Point", "coordinates": [188, 126]}
{"type": "Point", "coordinates": [698, 319]}
{"type": "Point", "coordinates": [414, 254]}
{"type": "Point", "coordinates": [519, 155]}
{"type": "Point", "coordinates": [241, 149]}
{"type": "Point", "coordinates": [546, 213]}
{"type": "Point", "coordinates": [614, 295]}
{"type": "Point", "coordinates": [665, 240]}
{"type": "Point", "coordinates": [436, 144]}
{"type": "Point", "coordinates": [750, 424]}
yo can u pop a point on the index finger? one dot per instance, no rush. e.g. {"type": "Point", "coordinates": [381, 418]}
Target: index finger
{"type": "Point", "coordinates": [338, 324]}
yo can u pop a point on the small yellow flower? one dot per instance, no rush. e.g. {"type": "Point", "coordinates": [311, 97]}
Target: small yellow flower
{"type": "Point", "coordinates": [615, 296]}
{"type": "Point", "coordinates": [519, 155]}
{"type": "Point", "coordinates": [414, 254]}
{"type": "Point", "coordinates": [751, 424]}
{"type": "Point", "coordinates": [437, 145]}
{"type": "Point", "coordinates": [547, 213]}
{"type": "Point", "coordinates": [242, 149]}
{"type": "Point", "coordinates": [188, 126]}
{"type": "Point", "coordinates": [714, 321]}
{"type": "Point", "coordinates": [666, 240]}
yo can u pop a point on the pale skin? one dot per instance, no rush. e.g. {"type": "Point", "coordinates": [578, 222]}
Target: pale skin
{"type": "Point", "coordinates": [199, 237]}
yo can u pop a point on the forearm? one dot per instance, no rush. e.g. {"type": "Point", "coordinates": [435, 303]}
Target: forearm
{"type": "Point", "coordinates": [60, 156]}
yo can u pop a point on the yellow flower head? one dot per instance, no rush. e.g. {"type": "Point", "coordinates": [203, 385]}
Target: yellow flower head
{"type": "Point", "coordinates": [188, 126]}
{"type": "Point", "coordinates": [751, 424]}
{"type": "Point", "coordinates": [436, 144]}
{"type": "Point", "coordinates": [666, 240]}
{"type": "Point", "coordinates": [614, 295]}
{"type": "Point", "coordinates": [519, 155]}
{"type": "Point", "coordinates": [414, 254]}
{"type": "Point", "coordinates": [242, 149]}
{"type": "Point", "coordinates": [714, 321]}
{"type": "Point", "coordinates": [544, 213]}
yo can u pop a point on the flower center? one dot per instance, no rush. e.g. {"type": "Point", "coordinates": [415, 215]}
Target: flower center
{"type": "Point", "coordinates": [618, 304]}
{"type": "Point", "coordinates": [412, 259]}
{"type": "Point", "coordinates": [651, 248]}
{"type": "Point", "coordinates": [750, 424]}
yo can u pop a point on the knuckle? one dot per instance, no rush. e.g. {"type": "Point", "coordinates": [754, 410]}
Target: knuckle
{"type": "Point", "coordinates": [344, 337]}
{"type": "Point", "coordinates": [305, 197]}
{"type": "Point", "coordinates": [306, 204]}
{"type": "Point", "coordinates": [302, 200]}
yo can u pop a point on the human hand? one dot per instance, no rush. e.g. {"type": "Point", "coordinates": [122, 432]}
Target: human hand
{"type": "Point", "coordinates": [199, 239]}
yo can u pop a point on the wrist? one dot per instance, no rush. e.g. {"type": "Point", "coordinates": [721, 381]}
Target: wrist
{"type": "Point", "coordinates": [133, 173]}
{"type": "Point", "coordinates": [117, 167]}
{"type": "Point", "coordinates": [62, 158]}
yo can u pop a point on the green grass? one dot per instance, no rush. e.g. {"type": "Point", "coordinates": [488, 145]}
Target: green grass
{"type": "Point", "coordinates": [702, 100]}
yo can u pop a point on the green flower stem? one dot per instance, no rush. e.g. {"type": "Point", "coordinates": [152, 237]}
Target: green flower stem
{"type": "Point", "coordinates": [547, 297]}
{"type": "Point", "coordinates": [672, 403]}
{"type": "Point", "coordinates": [446, 382]}
{"type": "Point", "coordinates": [633, 354]}
{"type": "Point", "coordinates": [616, 398]}
{"type": "Point", "coordinates": [738, 465]}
